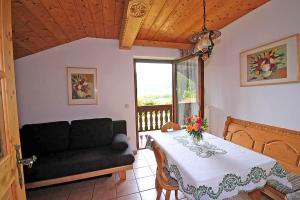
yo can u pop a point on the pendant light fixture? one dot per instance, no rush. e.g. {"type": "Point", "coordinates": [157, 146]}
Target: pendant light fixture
{"type": "Point", "coordinates": [204, 40]}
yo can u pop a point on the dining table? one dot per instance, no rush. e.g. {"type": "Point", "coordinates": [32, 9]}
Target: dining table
{"type": "Point", "coordinates": [215, 168]}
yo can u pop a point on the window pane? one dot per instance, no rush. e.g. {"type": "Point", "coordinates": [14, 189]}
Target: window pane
{"type": "Point", "coordinates": [187, 89]}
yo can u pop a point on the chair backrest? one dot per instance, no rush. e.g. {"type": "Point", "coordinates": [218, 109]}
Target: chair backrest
{"type": "Point", "coordinates": [160, 159]}
{"type": "Point", "coordinates": [170, 125]}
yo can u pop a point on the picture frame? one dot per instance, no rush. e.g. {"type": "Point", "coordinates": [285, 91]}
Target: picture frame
{"type": "Point", "coordinates": [82, 86]}
{"type": "Point", "coordinates": [272, 63]}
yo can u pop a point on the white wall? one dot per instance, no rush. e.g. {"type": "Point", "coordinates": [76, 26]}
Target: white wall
{"type": "Point", "coordinates": [42, 84]}
{"type": "Point", "coordinates": [276, 105]}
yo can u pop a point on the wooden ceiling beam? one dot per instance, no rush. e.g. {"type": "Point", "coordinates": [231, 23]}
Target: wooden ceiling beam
{"type": "Point", "coordinates": [135, 11]}
{"type": "Point", "coordinates": [172, 45]}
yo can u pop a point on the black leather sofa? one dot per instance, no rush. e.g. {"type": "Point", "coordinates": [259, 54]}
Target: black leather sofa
{"type": "Point", "coordinates": [65, 150]}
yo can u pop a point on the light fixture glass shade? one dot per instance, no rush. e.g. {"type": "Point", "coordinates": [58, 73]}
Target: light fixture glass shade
{"type": "Point", "coordinates": [203, 43]}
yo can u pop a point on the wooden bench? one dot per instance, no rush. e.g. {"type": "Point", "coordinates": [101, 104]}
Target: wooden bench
{"type": "Point", "coordinates": [278, 143]}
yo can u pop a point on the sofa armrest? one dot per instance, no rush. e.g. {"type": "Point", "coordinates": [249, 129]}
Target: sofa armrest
{"type": "Point", "coordinates": [120, 142]}
{"type": "Point", "coordinates": [119, 126]}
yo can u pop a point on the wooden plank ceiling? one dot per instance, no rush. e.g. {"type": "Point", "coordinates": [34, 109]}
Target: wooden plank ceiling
{"type": "Point", "coordinates": [42, 24]}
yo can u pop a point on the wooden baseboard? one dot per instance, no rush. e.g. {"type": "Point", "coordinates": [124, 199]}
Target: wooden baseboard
{"type": "Point", "coordinates": [78, 177]}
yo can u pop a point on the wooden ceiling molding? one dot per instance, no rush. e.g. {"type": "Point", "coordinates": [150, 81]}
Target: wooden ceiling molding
{"type": "Point", "coordinates": [43, 24]}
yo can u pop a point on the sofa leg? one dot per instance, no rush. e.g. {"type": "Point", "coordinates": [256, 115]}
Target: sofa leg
{"type": "Point", "coordinates": [122, 175]}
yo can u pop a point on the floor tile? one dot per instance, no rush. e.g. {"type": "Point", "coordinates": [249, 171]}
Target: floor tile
{"type": "Point", "coordinates": [81, 194]}
{"type": "Point", "coordinates": [153, 169]}
{"type": "Point", "coordinates": [151, 161]}
{"type": "Point", "coordinates": [151, 195]}
{"type": "Point", "coordinates": [139, 157]}
{"type": "Point", "coordinates": [142, 172]}
{"type": "Point", "coordinates": [135, 196]}
{"type": "Point", "coordinates": [127, 187]}
{"type": "Point", "coordinates": [146, 183]}
{"type": "Point", "coordinates": [129, 176]}
{"type": "Point", "coordinates": [105, 181]}
{"type": "Point", "coordinates": [140, 163]}
{"type": "Point", "coordinates": [172, 196]}
{"type": "Point", "coordinates": [105, 192]}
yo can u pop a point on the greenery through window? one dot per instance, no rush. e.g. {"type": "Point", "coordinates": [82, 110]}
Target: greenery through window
{"type": "Point", "coordinates": [154, 83]}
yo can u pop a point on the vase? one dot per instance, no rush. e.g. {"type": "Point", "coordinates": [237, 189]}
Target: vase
{"type": "Point", "coordinates": [198, 141]}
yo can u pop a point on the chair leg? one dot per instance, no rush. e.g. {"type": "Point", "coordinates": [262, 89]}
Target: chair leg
{"type": "Point", "coordinates": [168, 193]}
{"type": "Point", "coordinates": [159, 191]}
{"type": "Point", "coordinates": [176, 194]}
{"type": "Point", "coordinates": [156, 183]}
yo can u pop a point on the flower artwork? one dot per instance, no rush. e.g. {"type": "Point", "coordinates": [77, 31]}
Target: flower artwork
{"type": "Point", "coordinates": [195, 126]}
{"type": "Point", "coordinates": [267, 64]}
{"type": "Point", "coordinates": [82, 85]}
{"type": "Point", "coordinates": [273, 63]}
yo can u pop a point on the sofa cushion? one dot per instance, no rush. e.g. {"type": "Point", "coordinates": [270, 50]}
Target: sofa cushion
{"type": "Point", "coordinates": [90, 133]}
{"type": "Point", "coordinates": [294, 179]}
{"type": "Point", "coordinates": [120, 142]}
{"type": "Point", "coordinates": [77, 161]}
{"type": "Point", "coordinates": [45, 138]}
{"type": "Point", "coordinates": [119, 126]}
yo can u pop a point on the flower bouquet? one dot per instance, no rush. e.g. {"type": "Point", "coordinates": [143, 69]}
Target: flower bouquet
{"type": "Point", "coordinates": [195, 126]}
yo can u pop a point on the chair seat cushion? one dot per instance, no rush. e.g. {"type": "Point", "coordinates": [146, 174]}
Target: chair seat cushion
{"type": "Point", "coordinates": [294, 179]}
{"type": "Point", "coordinates": [77, 161]}
{"type": "Point", "coordinates": [171, 180]}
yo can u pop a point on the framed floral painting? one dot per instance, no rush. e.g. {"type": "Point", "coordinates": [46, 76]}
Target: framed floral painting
{"type": "Point", "coordinates": [82, 85]}
{"type": "Point", "coordinates": [273, 63]}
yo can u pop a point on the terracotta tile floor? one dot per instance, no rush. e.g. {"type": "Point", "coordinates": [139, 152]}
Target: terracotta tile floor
{"type": "Point", "coordinates": [139, 185]}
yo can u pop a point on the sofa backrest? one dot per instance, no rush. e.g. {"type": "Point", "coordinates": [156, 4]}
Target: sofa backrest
{"type": "Point", "coordinates": [90, 133]}
{"type": "Point", "coordinates": [119, 126]}
{"type": "Point", "coordinates": [44, 138]}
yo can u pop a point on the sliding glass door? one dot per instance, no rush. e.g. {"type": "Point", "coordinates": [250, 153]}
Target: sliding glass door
{"type": "Point", "coordinates": [187, 90]}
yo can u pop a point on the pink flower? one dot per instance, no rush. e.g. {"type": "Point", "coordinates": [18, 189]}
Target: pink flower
{"type": "Point", "coordinates": [188, 119]}
{"type": "Point", "coordinates": [199, 121]}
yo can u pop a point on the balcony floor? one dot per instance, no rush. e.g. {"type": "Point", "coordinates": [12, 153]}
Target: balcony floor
{"type": "Point", "coordinates": [142, 139]}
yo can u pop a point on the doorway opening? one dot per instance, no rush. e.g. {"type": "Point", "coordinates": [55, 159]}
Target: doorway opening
{"type": "Point", "coordinates": [153, 79]}
{"type": "Point", "coordinates": [167, 91]}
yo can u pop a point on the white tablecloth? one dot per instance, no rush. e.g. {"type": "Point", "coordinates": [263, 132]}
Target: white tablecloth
{"type": "Point", "coordinates": [217, 169]}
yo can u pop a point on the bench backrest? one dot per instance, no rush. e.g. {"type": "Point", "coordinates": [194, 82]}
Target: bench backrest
{"type": "Point", "coordinates": [278, 143]}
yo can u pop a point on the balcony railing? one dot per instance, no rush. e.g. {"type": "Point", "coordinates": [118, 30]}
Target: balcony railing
{"type": "Point", "coordinates": [153, 117]}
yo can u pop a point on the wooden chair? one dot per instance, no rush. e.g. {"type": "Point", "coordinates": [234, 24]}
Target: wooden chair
{"type": "Point", "coordinates": [163, 179]}
{"type": "Point", "coordinates": [170, 125]}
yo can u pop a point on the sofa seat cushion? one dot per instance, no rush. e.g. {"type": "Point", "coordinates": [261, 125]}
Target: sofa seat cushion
{"type": "Point", "coordinates": [77, 161]}
{"type": "Point", "coordinates": [90, 133]}
{"type": "Point", "coordinates": [44, 138]}
{"type": "Point", "coordinates": [294, 179]}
